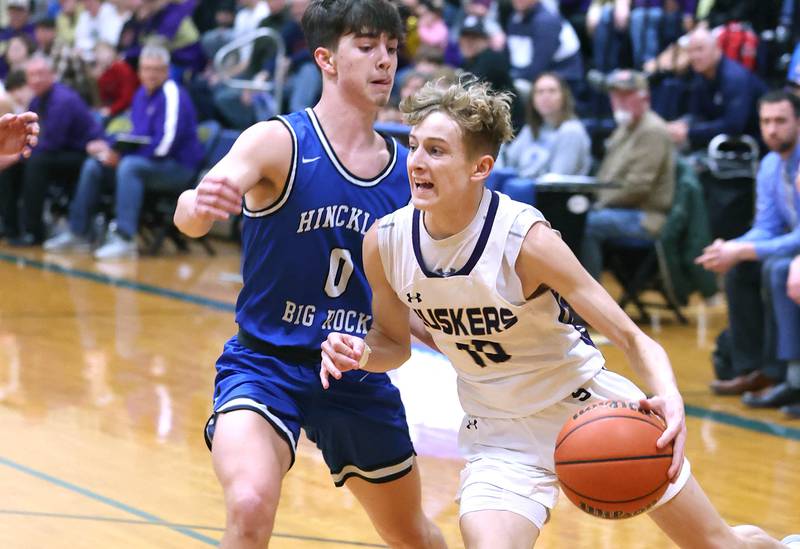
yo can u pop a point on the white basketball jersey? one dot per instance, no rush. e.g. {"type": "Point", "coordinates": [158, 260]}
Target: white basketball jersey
{"type": "Point", "coordinates": [513, 356]}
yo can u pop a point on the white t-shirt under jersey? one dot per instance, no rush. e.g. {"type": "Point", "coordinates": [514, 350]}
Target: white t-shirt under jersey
{"type": "Point", "coordinates": [513, 356]}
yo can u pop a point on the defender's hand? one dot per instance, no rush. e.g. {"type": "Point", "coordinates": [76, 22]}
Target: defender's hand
{"type": "Point", "coordinates": [217, 198]}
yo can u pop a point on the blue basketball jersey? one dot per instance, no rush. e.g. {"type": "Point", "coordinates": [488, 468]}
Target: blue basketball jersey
{"type": "Point", "coordinates": [303, 271]}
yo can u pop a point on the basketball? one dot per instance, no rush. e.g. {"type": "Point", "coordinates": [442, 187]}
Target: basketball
{"type": "Point", "coordinates": [607, 461]}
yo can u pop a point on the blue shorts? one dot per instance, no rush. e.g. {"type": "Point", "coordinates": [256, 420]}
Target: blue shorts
{"type": "Point", "coordinates": [359, 423]}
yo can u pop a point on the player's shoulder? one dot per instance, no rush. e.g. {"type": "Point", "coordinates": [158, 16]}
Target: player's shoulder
{"type": "Point", "coordinates": [509, 208]}
{"type": "Point", "coordinates": [267, 131]}
{"type": "Point", "coordinates": [396, 219]}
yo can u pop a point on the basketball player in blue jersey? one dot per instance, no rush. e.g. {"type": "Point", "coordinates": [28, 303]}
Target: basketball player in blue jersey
{"type": "Point", "coordinates": [486, 275]}
{"type": "Point", "coordinates": [313, 183]}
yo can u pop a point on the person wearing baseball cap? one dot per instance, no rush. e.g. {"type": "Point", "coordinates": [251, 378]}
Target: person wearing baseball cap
{"type": "Point", "coordinates": [639, 157]}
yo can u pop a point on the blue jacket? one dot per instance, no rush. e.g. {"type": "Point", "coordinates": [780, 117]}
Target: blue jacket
{"type": "Point", "coordinates": [540, 41]}
{"type": "Point", "coordinates": [774, 233]}
{"type": "Point", "coordinates": [168, 118]}
{"type": "Point", "coordinates": [726, 104]}
{"type": "Point", "coordinates": [65, 120]}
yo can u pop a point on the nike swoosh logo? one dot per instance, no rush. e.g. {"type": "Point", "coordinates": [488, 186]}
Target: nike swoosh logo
{"type": "Point", "coordinates": [309, 160]}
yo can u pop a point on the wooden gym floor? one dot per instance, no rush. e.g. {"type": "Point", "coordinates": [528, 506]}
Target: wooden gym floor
{"type": "Point", "coordinates": [106, 375]}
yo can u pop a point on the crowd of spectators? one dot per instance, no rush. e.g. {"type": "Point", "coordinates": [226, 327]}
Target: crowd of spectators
{"type": "Point", "coordinates": [614, 88]}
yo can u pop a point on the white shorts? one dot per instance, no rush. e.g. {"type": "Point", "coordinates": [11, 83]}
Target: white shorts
{"type": "Point", "coordinates": [510, 463]}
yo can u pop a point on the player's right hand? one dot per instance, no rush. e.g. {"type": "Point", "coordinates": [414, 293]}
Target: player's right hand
{"type": "Point", "coordinates": [340, 353]}
{"type": "Point", "coordinates": [217, 198]}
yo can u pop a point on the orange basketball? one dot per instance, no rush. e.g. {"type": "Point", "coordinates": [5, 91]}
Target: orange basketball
{"type": "Point", "coordinates": [607, 460]}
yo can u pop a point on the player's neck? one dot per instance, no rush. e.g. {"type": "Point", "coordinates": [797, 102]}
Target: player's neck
{"type": "Point", "coordinates": [345, 123]}
{"type": "Point", "coordinates": [451, 217]}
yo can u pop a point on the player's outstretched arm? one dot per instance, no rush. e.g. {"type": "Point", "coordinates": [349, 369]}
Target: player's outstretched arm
{"type": "Point", "coordinates": [19, 133]}
{"type": "Point", "coordinates": [546, 261]}
{"type": "Point", "coordinates": [388, 342]}
{"type": "Point", "coordinates": [260, 156]}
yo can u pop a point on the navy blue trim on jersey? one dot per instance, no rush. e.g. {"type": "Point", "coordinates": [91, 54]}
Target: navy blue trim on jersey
{"type": "Point", "coordinates": [565, 317]}
{"type": "Point", "coordinates": [287, 185]}
{"type": "Point", "coordinates": [480, 246]}
{"type": "Point", "coordinates": [391, 145]}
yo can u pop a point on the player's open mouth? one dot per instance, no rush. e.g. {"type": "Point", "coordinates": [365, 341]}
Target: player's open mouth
{"type": "Point", "coordinates": [419, 184]}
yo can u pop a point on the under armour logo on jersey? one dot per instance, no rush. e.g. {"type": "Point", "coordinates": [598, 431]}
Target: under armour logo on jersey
{"type": "Point", "coordinates": [309, 160]}
{"type": "Point", "coordinates": [582, 394]}
{"type": "Point", "coordinates": [417, 297]}
{"type": "Point", "coordinates": [472, 424]}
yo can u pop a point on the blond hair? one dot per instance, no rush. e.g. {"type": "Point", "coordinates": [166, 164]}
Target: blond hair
{"type": "Point", "coordinates": [483, 115]}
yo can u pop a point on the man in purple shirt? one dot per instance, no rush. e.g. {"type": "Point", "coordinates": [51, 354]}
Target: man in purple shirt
{"type": "Point", "coordinates": [67, 125]}
{"type": "Point", "coordinates": [750, 262]}
{"type": "Point", "coordinates": [163, 151]}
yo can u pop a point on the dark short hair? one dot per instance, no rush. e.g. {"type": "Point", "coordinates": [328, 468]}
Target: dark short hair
{"type": "Point", "coordinates": [14, 80]}
{"type": "Point", "coordinates": [326, 21]}
{"type": "Point", "coordinates": [776, 96]}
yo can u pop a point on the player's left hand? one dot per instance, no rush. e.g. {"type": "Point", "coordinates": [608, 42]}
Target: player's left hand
{"type": "Point", "coordinates": [671, 409]}
{"type": "Point", "coordinates": [340, 353]}
{"type": "Point", "coordinates": [19, 133]}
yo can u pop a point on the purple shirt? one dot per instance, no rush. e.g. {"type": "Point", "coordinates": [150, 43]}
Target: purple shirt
{"type": "Point", "coordinates": [65, 120]}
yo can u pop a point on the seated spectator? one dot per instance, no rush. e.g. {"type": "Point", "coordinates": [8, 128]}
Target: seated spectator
{"type": "Point", "coordinates": [98, 21]}
{"type": "Point", "coordinates": [304, 81]}
{"type": "Point", "coordinates": [786, 310]}
{"type": "Point", "coordinates": [749, 262]}
{"type": "Point", "coordinates": [162, 113]}
{"type": "Point", "coordinates": [18, 91]}
{"type": "Point", "coordinates": [606, 22]}
{"type": "Point", "coordinates": [18, 20]}
{"type": "Point", "coordinates": [116, 81]}
{"type": "Point", "coordinates": [486, 11]}
{"type": "Point", "coordinates": [552, 141]}
{"type": "Point", "coordinates": [222, 31]}
{"type": "Point", "coordinates": [237, 108]}
{"type": "Point", "coordinates": [66, 21]}
{"type": "Point", "coordinates": [539, 41]}
{"type": "Point", "coordinates": [793, 368]}
{"type": "Point", "coordinates": [67, 125]}
{"type": "Point", "coordinates": [18, 50]}
{"type": "Point", "coordinates": [639, 157]}
{"type": "Point", "coordinates": [722, 98]}
{"type": "Point", "coordinates": [488, 64]}
{"type": "Point", "coordinates": [246, 20]}
{"type": "Point", "coordinates": [169, 22]}
{"type": "Point", "coordinates": [18, 25]}
{"type": "Point", "coordinates": [654, 23]}
{"type": "Point", "coordinates": [44, 34]}
{"type": "Point", "coordinates": [431, 28]}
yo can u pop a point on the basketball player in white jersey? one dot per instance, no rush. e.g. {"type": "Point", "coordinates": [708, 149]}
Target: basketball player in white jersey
{"type": "Point", "coordinates": [488, 277]}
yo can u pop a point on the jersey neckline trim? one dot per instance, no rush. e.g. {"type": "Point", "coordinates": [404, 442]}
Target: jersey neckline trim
{"type": "Point", "coordinates": [343, 171]}
{"type": "Point", "coordinates": [480, 246]}
{"type": "Point", "coordinates": [287, 188]}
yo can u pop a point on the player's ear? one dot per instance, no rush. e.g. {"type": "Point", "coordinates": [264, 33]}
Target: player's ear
{"type": "Point", "coordinates": [483, 167]}
{"type": "Point", "coordinates": [326, 60]}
